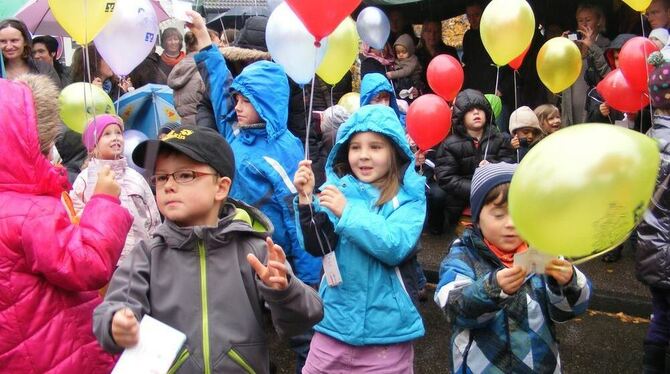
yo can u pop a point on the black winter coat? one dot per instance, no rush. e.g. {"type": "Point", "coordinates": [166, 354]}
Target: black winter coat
{"type": "Point", "coordinates": [458, 156]}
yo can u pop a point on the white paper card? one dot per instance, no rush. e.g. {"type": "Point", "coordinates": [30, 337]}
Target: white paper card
{"type": "Point", "coordinates": [179, 8]}
{"type": "Point", "coordinates": [158, 346]}
{"type": "Point", "coordinates": [532, 260]}
{"type": "Point", "coordinates": [331, 270]}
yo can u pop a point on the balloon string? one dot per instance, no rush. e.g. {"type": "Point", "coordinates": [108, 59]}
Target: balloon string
{"type": "Point", "coordinates": [156, 119]}
{"type": "Point", "coordinates": [332, 100]}
{"type": "Point", "coordinates": [497, 79]}
{"type": "Point", "coordinates": [3, 74]}
{"type": "Point", "coordinates": [646, 70]}
{"type": "Point", "coordinates": [516, 104]}
{"type": "Point", "coordinates": [311, 101]}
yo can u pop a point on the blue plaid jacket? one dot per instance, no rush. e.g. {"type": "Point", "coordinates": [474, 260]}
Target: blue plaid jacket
{"type": "Point", "coordinates": [492, 332]}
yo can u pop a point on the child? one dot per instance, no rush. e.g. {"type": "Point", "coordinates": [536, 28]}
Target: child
{"type": "Point", "coordinates": [376, 89]}
{"type": "Point", "coordinates": [660, 37]}
{"type": "Point", "coordinates": [653, 243]}
{"type": "Point", "coordinates": [370, 213]}
{"type": "Point", "coordinates": [501, 317]}
{"type": "Point", "coordinates": [193, 276]}
{"type": "Point", "coordinates": [473, 139]}
{"type": "Point", "coordinates": [525, 129]}
{"type": "Point", "coordinates": [103, 139]}
{"type": "Point", "coordinates": [251, 114]}
{"type": "Point", "coordinates": [549, 117]}
{"type": "Point", "coordinates": [407, 70]}
{"type": "Point", "coordinates": [52, 263]}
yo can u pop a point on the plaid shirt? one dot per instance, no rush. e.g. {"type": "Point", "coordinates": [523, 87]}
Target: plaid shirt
{"type": "Point", "coordinates": [497, 333]}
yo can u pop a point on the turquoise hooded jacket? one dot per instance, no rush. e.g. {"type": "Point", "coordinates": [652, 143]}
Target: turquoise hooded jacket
{"type": "Point", "coordinates": [371, 305]}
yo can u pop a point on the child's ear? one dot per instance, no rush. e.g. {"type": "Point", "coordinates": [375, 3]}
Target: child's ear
{"type": "Point", "coordinates": [223, 187]}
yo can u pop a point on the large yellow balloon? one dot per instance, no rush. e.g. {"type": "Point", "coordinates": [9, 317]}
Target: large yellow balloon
{"type": "Point", "coordinates": [79, 102]}
{"type": "Point", "coordinates": [582, 190]}
{"type": "Point", "coordinates": [82, 19]}
{"type": "Point", "coordinates": [507, 28]}
{"type": "Point", "coordinates": [639, 5]}
{"type": "Point", "coordinates": [350, 101]}
{"type": "Point", "coordinates": [559, 64]}
{"type": "Point", "coordinates": [341, 52]}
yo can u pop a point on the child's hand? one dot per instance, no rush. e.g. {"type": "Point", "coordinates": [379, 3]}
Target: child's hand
{"type": "Point", "coordinates": [199, 30]}
{"type": "Point", "coordinates": [604, 109]}
{"type": "Point", "coordinates": [511, 279]}
{"type": "Point", "coordinates": [561, 270]}
{"type": "Point", "coordinates": [273, 275]}
{"type": "Point", "coordinates": [304, 181]}
{"type": "Point", "coordinates": [333, 199]}
{"type": "Point", "coordinates": [420, 158]}
{"type": "Point", "coordinates": [97, 81]}
{"type": "Point", "coordinates": [515, 142]}
{"type": "Point", "coordinates": [106, 183]}
{"type": "Point", "coordinates": [125, 328]}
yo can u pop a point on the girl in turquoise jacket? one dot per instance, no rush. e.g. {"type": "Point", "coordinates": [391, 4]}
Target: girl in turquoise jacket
{"type": "Point", "coordinates": [370, 212]}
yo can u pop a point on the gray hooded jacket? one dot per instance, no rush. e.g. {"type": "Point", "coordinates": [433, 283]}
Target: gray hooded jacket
{"type": "Point", "coordinates": [197, 280]}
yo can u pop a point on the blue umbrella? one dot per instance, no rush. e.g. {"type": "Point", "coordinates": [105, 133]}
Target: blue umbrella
{"type": "Point", "coordinates": [147, 109]}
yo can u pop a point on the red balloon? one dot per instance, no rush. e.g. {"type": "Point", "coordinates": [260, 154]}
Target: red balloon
{"type": "Point", "coordinates": [445, 76]}
{"type": "Point", "coordinates": [618, 93]}
{"type": "Point", "coordinates": [428, 120]}
{"type": "Point", "coordinates": [321, 17]}
{"type": "Point", "coordinates": [516, 63]}
{"type": "Point", "coordinates": [633, 61]}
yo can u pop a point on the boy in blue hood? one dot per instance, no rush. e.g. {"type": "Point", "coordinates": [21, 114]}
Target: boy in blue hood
{"type": "Point", "coordinates": [251, 113]}
{"type": "Point", "coordinates": [376, 89]}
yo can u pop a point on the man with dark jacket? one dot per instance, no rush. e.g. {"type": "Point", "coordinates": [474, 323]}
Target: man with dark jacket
{"type": "Point", "coordinates": [473, 139]}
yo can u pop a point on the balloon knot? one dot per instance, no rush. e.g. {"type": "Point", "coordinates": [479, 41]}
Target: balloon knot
{"type": "Point", "coordinates": [317, 44]}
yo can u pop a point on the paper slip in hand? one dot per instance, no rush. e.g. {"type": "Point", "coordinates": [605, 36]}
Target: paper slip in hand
{"type": "Point", "coordinates": [158, 346]}
{"type": "Point", "coordinates": [331, 270]}
{"type": "Point", "coordinates": [179, 8]}
{"type": "Point", "coordinates": [533, 261]}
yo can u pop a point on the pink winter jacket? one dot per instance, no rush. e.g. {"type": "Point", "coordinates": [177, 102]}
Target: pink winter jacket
{"type": "Point", "coordinates": [50, 268]}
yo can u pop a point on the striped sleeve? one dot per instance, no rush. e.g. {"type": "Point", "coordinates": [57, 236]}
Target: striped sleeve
{"type": "Point", "coordinates": [570, 300]}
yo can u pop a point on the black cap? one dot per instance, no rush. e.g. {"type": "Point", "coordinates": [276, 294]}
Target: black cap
{"type": "Point", "coordinates": [202, 144]}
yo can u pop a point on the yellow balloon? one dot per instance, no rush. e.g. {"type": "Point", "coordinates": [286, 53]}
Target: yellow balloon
{"type": "Point", "coordinates": [507, 28]}
{"type": "Point", "coordinates": [350, 101]}
{"type": "Point", "coordinates": [341, 52]}
{"type": "Point", "coordinates": [79, 102]}
{"type": "Point", "coordinates": [559, 64]}
{"type": "Point", "coordinates": [587, 200]}
{"type": "Point", "coordinates": [82, 19]}
{"type": "Point", "coordinates": [639, 5]}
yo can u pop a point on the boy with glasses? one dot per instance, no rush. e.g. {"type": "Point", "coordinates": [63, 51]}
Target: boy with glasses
{"type": "Point", "coordinates": [196, 273]}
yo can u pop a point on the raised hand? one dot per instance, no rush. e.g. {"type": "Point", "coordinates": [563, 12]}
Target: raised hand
{"type": "Point", "coordinates": [274, 274]}
{"type": "Point", "coordinates": [125, 328]}
{"type": "Point", "coordinates": [106, 183]}
{"type": "Point", "coordinates": [199, 30]}
{"type": "Point", "coordinates": [333, 199]}
{"type": "Point", "coordinates": [304, 181]}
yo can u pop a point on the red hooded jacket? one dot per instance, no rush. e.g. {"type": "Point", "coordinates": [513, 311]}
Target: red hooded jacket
{"type": "Point", "coordinates": [50, 268]}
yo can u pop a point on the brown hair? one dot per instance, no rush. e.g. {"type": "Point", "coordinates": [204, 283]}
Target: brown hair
{"type": "Point", "coordinates": [544, 111]}
{"type": "Point", "coordinates": [191, 42]}
{"type": "Point", "coordinates": [494, 196]}
{"type": "Point", "coordinates": [389, 186]}
{"type": "Point", "coordinates": [19, 25]}
{"type": "Point", "coordinates": [171, 31]}
{"type": "Point", "coordinates": [45, 98]}
{"type": "Point", "coordinates": [78, 71]}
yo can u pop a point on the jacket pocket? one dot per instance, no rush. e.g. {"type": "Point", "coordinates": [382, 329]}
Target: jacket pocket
{"type": "Point", "coordinates": [243, 358]}
{"type": "Point", "coordinates": [183, 356]}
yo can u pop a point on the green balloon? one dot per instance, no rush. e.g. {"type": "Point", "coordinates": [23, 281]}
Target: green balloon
{"type": "Point", "coordinates": [496, 104]}
{"type": "Point", "coordinates": [582, 190]}
{"type": "Point", "coordinates": [79, 102]}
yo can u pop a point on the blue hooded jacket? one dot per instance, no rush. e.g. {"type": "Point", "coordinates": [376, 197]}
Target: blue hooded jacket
{"type": "Point", "coordinates": [371, 306]}
{"type": "Point", "coordinates": [266, 159]}
{"type": "Point", "coordinates": [374, 83]}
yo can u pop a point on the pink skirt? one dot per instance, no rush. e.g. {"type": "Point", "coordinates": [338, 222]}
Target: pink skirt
{"type": "Point", "coordinates": [328, 355]}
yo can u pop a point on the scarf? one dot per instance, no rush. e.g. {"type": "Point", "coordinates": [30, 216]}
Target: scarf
{"type": "Point", "coordinates": [507, 258]}
{"type": "Point", "coordinates": [367, 52]}
{"type": "Point", "coordinates": [172, 61]}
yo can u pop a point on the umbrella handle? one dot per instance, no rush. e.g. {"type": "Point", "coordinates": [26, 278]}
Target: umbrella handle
{"type": "Point", "coordinates": [3, 74]}
{"type": "Point", "coordinates": [156, 120]}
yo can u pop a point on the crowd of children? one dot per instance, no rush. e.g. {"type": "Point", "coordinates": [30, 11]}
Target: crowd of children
{"type": "Point", "coordinates": [233, 223]}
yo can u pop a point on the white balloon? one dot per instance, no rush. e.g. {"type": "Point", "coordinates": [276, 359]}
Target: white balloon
{"type": "Point", "coordinates": [373, 27]}
{"type": "Point", "coordinates": [292, 46]}
{"type": "Point", "coordinates": [129, 36]}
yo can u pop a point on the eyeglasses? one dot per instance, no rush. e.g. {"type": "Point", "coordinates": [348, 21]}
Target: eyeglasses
{"type": "Point", "coordinates": [181, 177]}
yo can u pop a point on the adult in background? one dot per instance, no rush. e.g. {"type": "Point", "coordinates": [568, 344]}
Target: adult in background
{"type": "Point", "coordinates": [172, 43]}
{"type": "Point", "coordinates": [45, 48]}
{"type": "Point", "coordinates": [400, 26]}
{"type": "Point", "coordinates": [186, 83]}
{"type": "Point", "coordinates": [101, 74]}
{"type": "Point", "coordinates": [658, 14]}
{"type": "Point", "coordinates": [16, 46]}
{"type": "Point", "coordinates": [431, 45]}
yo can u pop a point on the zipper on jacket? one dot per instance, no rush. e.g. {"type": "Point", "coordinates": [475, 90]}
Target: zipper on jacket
{"type": "Point", "coordinates": [238, 359]}
{"type": "Point", "coordinates": [203, 300]}
{"type": "Point", "coordinates": [180, 361]}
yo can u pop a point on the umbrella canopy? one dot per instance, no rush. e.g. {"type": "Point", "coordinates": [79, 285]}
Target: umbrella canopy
{"type": "Point", "coordinates": [234, 17]}
{"type": "Point", "coordinates": [9, 7]}
{"type": "Point", "coordinates": [37, 15]}
{"type": "Point", "coordinates": [147, 109]}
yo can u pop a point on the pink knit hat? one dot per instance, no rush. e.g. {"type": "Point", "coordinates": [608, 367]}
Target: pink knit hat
{"type": "Point", "coordinates": [96, 128]}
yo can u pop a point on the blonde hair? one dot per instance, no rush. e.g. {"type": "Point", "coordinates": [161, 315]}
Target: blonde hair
{"type": "Point", "coordinates": [45, 98]}
{"type": "Point", "coordinates": [392, 181]}
{"type": "Point", "coordinates": [544, 111]}
{"type": "Point", "coordinates": [597, 11]}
